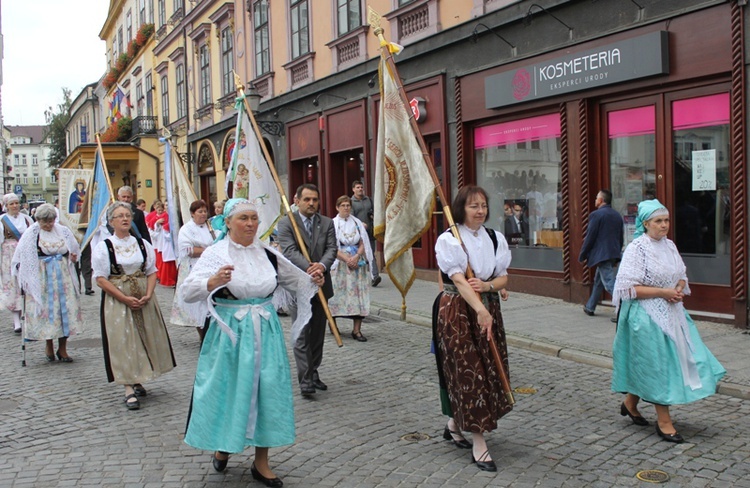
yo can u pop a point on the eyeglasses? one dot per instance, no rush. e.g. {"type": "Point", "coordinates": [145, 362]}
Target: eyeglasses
{"type": "Point", "coordinates": [122, 216]}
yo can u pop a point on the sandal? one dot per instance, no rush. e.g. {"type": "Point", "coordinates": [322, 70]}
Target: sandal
{"type": "Point", "coordinates": [134, 405]}
{"type": "Point", "coordinates": [139, 390]}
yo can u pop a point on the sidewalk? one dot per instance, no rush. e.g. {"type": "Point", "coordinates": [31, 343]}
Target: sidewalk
{"type": "Point", "coordinates": [561, 329]}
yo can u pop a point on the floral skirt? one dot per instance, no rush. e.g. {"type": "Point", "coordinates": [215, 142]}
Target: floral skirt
{"type": "Point", "coordinates": [10, 295]}
{"type": "Point", "coordinates": [351, 291]}
{"type": "Point", "coordinates": [59, 313]}
{"type": "Point", "coordinates": [471, 377]}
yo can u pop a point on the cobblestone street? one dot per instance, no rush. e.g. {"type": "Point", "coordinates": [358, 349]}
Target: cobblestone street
{"type": "Point", "coordinates": [64, 425]}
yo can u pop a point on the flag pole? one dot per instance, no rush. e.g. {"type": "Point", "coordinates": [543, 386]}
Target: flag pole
{"type": "Point", "coordinates": [374, 21]}
{"type": "Point", "coordinates": [287, 207]}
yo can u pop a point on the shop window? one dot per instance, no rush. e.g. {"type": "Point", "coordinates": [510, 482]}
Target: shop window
{"type": "Point", "coordinates": [701, 222]}
{"type": "Point", "coordinates": [632, 161]}
{"type": "Point", "coordinates": [518, 163]}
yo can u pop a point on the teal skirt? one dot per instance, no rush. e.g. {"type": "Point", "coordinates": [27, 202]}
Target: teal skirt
{"type": "Point", "coordinates": [241, 399]}
{"type": "Point", "coordinates": [646, 364]}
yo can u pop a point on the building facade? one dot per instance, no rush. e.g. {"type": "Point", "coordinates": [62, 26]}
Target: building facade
{"type": "Point", "coordinates": [32, 178]}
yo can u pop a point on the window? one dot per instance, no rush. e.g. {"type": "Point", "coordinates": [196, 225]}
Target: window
{"type": "Point", "coordinates": [34, 160]}
{"type": "Point", "coordinates": [23, 159]}
{"type": "Point", "coordinates": [36, 179]}
{"type": "Point", "coordinates": [119, 41]}
{"type": "Point", "coordinates": [17, 158]}
{"type": "Point", "coordinates": [177, 4]}
{"type": "Point", "coordinates": [162, 13]}
{"type": "Point", "coordinates": [53, 178]}
{"type": "Point", "coordinates": [181, 98]}
{"type": "Point", "coordinates": [205, 73]}
{"type": "Point", "coordinates": [227, 62]}
{"type": "Point", "coordinates": [149, 95]}
{"type": "Point", "coordinates": [262, 49]}
{"type": "Point", "coordinates": [524, 185]}
{"type": "Point", "coordinates": [349, 15]}
{"type": "Point", "coordinates": [139, 99]}
{"type": "Point", "coordinates": [84, 134]}
{"type": "Point", "coordinates": [401, 3]}
{"type": "Point", "coordinates": [25, 179]}
{"type": "Point", "coordinates": [142, 11]}
{"type": "Point", "coordinates": [300, 35]}
{"type": "Point", "coordinates": [129, 27]}
{"type": "Point", "coordinates": [150, 4]}
{"type": "Point", "coordinates": [165, 99]}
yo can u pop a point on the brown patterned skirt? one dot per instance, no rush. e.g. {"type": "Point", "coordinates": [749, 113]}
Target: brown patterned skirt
{"type": "Point", "coordinates": [470, 374]}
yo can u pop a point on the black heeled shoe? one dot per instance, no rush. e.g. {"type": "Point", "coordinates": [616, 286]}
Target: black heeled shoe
{"type": "Point", "coordinates": [484, 465]}
{"type": "Point", "coordinates": [50, 358]}
{"type": "Point", "coordinates": [676, 437]}
{"type": "Point", "coordinates": [462, 443]}
{"type": "Point", "coordinates": [66, 359]}
{"type": "Point", "coordinates": [219, 464]}
{"type": "Point", "coordinates": [272, 482]}
{"type": "Point", "coordinates": [637, 419]}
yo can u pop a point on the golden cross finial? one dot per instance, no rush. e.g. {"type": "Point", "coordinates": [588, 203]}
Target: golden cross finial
{"type": "Point", "coordinates": [373, 17]}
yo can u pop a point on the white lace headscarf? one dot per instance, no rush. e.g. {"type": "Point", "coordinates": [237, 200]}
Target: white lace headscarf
{"type": "Point", "coordinates": [657, 263]}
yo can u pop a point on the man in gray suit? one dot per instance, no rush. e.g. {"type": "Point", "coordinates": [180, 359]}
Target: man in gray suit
{"type": "Point", "coordinates": [320, 240]}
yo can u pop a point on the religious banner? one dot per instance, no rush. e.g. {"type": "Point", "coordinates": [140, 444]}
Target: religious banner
{"type": "Point", "coordinates": [404, 191]}
{"type": "Point", "coordinates": [72, 185]}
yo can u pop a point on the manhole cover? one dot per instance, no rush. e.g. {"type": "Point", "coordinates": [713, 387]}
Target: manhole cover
{"type": "Point", "coordinates": [525, 391]}
{"type": "Point", "coordinates": [652, 476]}
{"type": "Point", "coordinates": [415, 437]}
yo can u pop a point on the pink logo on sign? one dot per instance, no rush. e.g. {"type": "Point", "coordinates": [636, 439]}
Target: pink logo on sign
{"type": "Point", "coordinates": [414, 104]}
{"type": "Point", "coordinates": [521, 84]}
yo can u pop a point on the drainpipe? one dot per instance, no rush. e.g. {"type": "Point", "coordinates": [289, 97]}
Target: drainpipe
{"type": "Point", "coordinates": [158, 167]}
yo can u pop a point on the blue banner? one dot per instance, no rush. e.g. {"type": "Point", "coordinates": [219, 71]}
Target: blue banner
{"type": "Point", "coordinates": [102, 197]}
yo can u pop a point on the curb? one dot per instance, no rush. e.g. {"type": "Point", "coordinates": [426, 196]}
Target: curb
{"type": "Point", "coordinates": [563, 352]}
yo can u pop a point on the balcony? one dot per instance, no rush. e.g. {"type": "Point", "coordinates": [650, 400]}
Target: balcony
{"type": "Point", "coordinates": [144, 125]}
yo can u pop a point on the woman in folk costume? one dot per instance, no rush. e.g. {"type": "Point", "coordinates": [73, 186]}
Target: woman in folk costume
{"type": "Point", "coordinates": [15, 224]}
{"type": "Point", "coordinates": [243, 393]}
{"type": "Point", "coordinates": [135, 339]}
{"type": "Point", "coordinates": [195, 236]}
{"type": "Point", "coordinates": [351, 273]}
{"type": "Point", "coordinates": [658, 354]}
{"type": "Point", "coordinates": [465, 321]}
{"type": "Point", "coordinates": [44, 264]}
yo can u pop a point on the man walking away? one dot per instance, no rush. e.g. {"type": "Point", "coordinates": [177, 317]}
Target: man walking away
{"type": "Point", "coordinates": [602, 247]}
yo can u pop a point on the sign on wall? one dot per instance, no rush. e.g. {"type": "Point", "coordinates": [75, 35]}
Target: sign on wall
{"type": "Point", "coordinates": [625, 60]}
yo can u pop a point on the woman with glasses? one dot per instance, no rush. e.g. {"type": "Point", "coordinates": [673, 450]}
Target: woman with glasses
{"type": "Point", "coordinates": [135, 339]}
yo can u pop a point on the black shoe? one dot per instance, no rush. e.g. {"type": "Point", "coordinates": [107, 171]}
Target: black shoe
{"type": "Point", "coordinates": [219, 464]}
{"type": "Point", "coordinates": [90, 292]}
{"type": "Point", "coordinates": [272, 482]}
{"type": "Point", "coordinates": [613, 319]}
{"type": "Point", "coordinates": [307, 391]}
{"type": "Point", "coordinates": [676, 437]}
{"type": "Point", "coordinates": [139, 390]}
{"type": "Point", "coordinates": [357, 336]}
{"type": "Point", "coordinates": [448, 435]}
{"type": "Point", "coordinates": [484, 465]}
{"type": "Point", "coordinates": [588, 312]}
{"type": "Point", "coordinates": [319, 385]}
{"type": "Point", "coordinates": [376, 281]}
{"type": "Point", "coordinates": [17, 331]}
{"type": "Point", "coordinates": [637, 419]}
{"type": "Point", "coordinates": [50, 358]}
{"type": "Point", "coordinates": [66, 359]}
{"type": "Point", "coordinates": [134, 405]}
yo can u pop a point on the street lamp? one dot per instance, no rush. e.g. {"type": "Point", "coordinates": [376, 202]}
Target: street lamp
{"type": "Point", "coordinates": [253, 97]}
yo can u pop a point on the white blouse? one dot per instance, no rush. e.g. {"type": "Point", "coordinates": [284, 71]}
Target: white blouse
{"type": "Point", "coordinates": [193, 235]}
{"type": "Point", "coordinates": [52, 242]}
{"type": "Point", "coordinates": [128, 256]}
{"type": "Point", "coordinates": [20, 221]}
{"type": "Point", "coordinates": [485, 263]}
{"type": "Point", "coordinates": [253, 275]}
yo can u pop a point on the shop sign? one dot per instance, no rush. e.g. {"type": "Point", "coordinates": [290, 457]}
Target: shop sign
{"type": "Point", "coordinates": [625, 60]}
{"type": "Point", "coordinates": [418, 108]}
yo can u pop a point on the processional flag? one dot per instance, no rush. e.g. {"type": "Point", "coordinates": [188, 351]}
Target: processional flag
{"type": "Point", "coordinates": [249, 175]}
{"type": "Point", "coordinates": [404, 191]}
{"type": "Point", "coordinates": [180, 193]}
{"type": "Point", "coordinates": [101, 196]}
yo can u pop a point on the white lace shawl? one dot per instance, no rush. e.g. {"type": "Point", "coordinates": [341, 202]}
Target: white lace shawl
{"type": "Point", "coordinates": [199, 301]}
{"type": "Point", "coordinates": [349, 232]}
{"type": "Point", "coordinates": [648, 262]}
{"type": "Point", "coordinates": [452, 258]}
{"type": "Point", "coordinates": [25, 263]}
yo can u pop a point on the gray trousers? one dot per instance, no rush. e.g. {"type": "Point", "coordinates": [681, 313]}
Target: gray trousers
{"type": "Point", "coordinates": [374, 247]}
{"type": "Point", "coordinates": [308, 350]}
